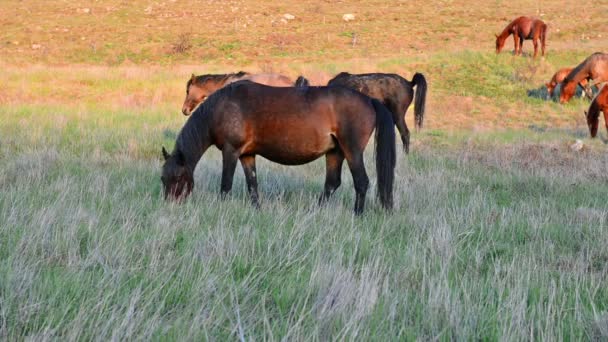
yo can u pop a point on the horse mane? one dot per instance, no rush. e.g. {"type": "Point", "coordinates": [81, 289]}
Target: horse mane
{"type": "Point", "coordinates": [506, 32]}
{"type": "Point", "coordinates": [574, 74]}
{"type": "Point", "coordinates": [194, 135]}
{"type": "Point", "coordinates": [215, 77]}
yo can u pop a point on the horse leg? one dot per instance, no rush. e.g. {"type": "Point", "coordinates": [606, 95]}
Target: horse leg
{"type": "Point", "coordinates": [516, 43]}
{"type": "Point", "coordinates": [248, 164]}
{"type": "Point", "coordinates": [360, 179]}
{"type": "Point", "coordinates": [229, 158]}
{"type": "Point", "coordinates": [535, 42]}
{"type": "Point", "coordinates": [333, 173]}
{"type": "Point", "coordinates": [399, 121]}
{"type": "Point", "coordinates": [521, 45]}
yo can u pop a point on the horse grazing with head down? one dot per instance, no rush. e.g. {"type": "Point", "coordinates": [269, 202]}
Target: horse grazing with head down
{"type": "Point", "coordinates": [558, 78]}
{"type": "Point", "coordinates": [290, 126]}
{"type": "Point", "coordinates": [523, 28]}
{"type": "Point", "coordinates": [594, 67]}
{"type": "Point", "coordinates": [599, 104]}
{"type": "Point", "coordinates": [198, 88]}
{"type": "Point", "coordinates": [394, 91]}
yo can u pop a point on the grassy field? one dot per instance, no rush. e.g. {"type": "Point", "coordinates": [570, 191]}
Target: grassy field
{"type": "Point", "coordinates": [499, 228]}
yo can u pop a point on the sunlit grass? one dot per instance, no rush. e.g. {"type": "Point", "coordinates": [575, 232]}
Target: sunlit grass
{"type": "Point", "coordinates": [494, 235]}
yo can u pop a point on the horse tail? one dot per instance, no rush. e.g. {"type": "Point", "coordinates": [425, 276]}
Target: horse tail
{"type": "Point", "coordinates": [301, 82]}
{"type": "Point", "coordinates": [385, 153]}
{"type": "Point", "coordinates": [420, 98]}
{"type": "Point", "coordinates": [543, 37]}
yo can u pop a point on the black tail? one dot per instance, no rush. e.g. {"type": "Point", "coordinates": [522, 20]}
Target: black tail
{"type": "Point", "coordinates": [420, 98]}
{"type": "Point", "coordinates": [385, 153]}
{"type": "Point", "coordinates": [301, 82]}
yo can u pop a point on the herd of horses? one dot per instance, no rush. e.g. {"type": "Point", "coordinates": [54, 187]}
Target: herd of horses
{"type": "Point", "coordinates": [292, 123]}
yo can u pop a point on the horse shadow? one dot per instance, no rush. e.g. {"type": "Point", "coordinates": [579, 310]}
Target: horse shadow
{"type": "Point", "coordinates": [539, 93]}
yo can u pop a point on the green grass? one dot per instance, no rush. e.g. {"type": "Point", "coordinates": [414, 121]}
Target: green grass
{"type": "Point", "coordinates": [494, 236]}
{"type": "Point", "coordinates": [498, 231]}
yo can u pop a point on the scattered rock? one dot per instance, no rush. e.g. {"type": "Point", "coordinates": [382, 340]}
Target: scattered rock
{"type": "Point", "coordinates": [348, 17]}
{"type": "Point", "coordinates": [36, 46]}
{"type": "Point", "coordinates": [577, 146]}
{"type": "Point", "coordinates": [288, 16]}
{"type": "Point", "coordinates": [148, 10]}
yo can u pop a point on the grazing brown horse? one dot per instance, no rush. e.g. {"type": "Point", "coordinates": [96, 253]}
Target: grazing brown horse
{"type": "Point", "coordinates": [599, 104]}
{"type": "Point", "coordinates": [200, 87]}
{"type": "Point", "coordinates": [394, 91]}
{"type": "Point", "coordinates": [290, 126]}
{"type": "Point", "coordinates": [558, 78]}
{"type": "Point", "coordinates": [594, 67]}
{"type": "Point", "coordinates": [523, 28]}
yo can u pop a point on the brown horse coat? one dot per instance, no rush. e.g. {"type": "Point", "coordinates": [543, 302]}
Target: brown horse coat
{"type": "Point", "coordinates": [198, 88]}
{"type": "Point", "coordinates": [594, 67]}
{"type": "Point", "coordinates": [599, 104]}
{"type": "Point", "coordinates": [290, 126]}
{"type": "Point", "coordinates": [558, 78]}
{"type": "Point", "coordinates": [395, 92]}
{"type": "Point", "coordinates": [523, 28]}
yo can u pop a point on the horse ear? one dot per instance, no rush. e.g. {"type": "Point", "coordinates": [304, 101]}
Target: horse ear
{"type": "Point", "coordinates": [193, 78]}
{"type": "Point", "coordinates": [166, 155]}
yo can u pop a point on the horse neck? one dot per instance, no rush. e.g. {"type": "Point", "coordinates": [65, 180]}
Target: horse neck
{"type": "Point", "coordinates": [505, 33]}
{"type": "Point", "coordinates": [194, 139]}
{"type": "Point", "coordinates": [578, 74]}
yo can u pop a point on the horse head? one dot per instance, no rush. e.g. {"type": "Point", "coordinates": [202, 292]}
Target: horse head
{"type": "Point", "coordinates": [500, 43]}
{"type": "Point", "coordinates": [177, 179]}
{"type": "Point", "coordinates": [568, 90]}
{"type": "Point", "coordinates": [592, 122]}
{"type": "Point", "coordinates": [197, 90]}
{"type": "Point", "coordinates": [550, 88]}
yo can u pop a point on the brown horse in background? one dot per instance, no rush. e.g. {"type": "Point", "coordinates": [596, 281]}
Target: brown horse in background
{"type": "Point", "coordinates": [523, 28]}
{"type": "Point", "coordinates": [395, 92]}
{"type": "Point", "coordinates": [198, 88]}
{"type": "Point", "coordinates": [290, 126]}
{"type": "Point", "coordinates": [594, 67]}
{"type": "Point", "coordinates": [599, 104]}
{"type": "Point", "coordinates": [558, 78]}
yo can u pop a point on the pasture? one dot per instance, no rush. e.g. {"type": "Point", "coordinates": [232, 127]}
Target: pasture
{"type": "Point", "coordinates": [498, 231]}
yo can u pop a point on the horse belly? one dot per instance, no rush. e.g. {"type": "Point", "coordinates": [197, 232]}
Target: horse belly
{"type": "Point", "coordinates": [295, 149]}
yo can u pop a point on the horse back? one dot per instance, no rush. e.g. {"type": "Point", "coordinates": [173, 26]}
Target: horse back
{"type": "Point", "coordinates": [274, 107]}
{"type": "Point", "coordinates": [276, 122]}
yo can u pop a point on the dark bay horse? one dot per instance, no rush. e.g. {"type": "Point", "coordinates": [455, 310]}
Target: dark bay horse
{"type": "Point", "coordinates": [198, 88]}
{"type": "Point", "coordinates": [594, 67]}
{"type": "Point", "coordinates": [599, 104]}
{"type": "Point", "coordinates": [394, 91]}
{"type": "Point", "coordinates": [523, 28]}
{"type": "Point", "coordinates": [290, 126]}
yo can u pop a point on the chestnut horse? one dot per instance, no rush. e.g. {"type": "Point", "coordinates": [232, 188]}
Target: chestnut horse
{"type": "Point", "coordinates": [594, 67]}
{"type": "Point", "coordinates": [599, 104]}
{"type": "Point", "coordinates": [394, 91]}
{"type": "Point", "coordinates": [198, 88]}
{"type": "Point", "coordinates": [523, 28]}
{"type": "Point", "coordinates": [558, 78]}
{"type": "Point", "coordinates": [290, 126]}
